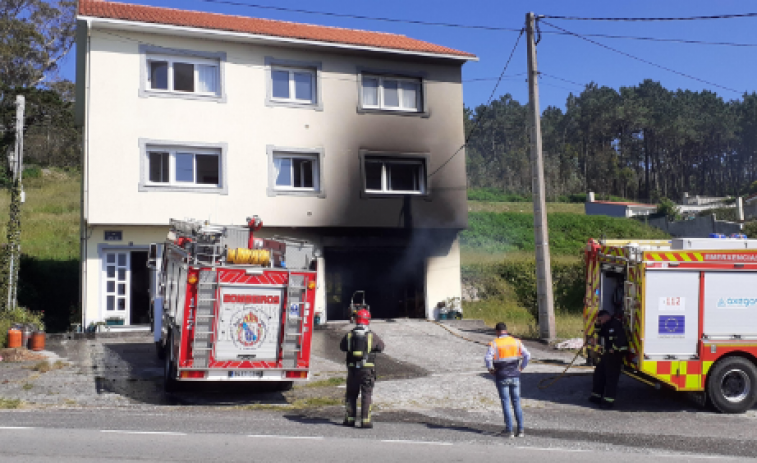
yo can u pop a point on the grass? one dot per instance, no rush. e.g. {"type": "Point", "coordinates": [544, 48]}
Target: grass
{"type": "Point", "coordinates": [50, 216]}
{"type": "Point", "coordinates": [489, 206]}
{"type": "Point", "coordinates": [331, 382]}
{"type": "Point", "coordinates": [10, 404]}
{"type": "Point", "coordinates": [27, 386]}
{"type": "Point", "coordinates": [299, 404]}
{"type": "Point", "coordinates": [45, 366]}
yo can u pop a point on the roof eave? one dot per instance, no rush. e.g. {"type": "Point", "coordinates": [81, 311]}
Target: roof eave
{"type": "Point", "coordinates": [120, 24]}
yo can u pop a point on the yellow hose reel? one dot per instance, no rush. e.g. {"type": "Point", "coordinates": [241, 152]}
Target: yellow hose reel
{"type": "Point", "coordinates": [242, 256]}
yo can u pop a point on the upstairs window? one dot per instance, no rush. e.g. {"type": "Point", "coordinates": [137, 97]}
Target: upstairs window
{"type": "Point", "coordinates": [183, 75]}
{"type": "Point", "coordinates": [394, 175]}
{"type": "Point", "coordinates": [391, 93]}
{"type": "Point", "coordinates": [295, 172]}
{"type": "Point", "coordinates": [293, 85]}
{"type": "Point", "coordinates": [183, 167]}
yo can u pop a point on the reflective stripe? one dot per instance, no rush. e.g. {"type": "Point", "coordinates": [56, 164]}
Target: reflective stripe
{"type": "Point", "coordinates": [609, 400]}
{"type": "Point", "coordinates": [370, 341]}
{"type": "Point", "coordinates": [357, 353]}
{"type": "Point", "coordinates": [349, 341]}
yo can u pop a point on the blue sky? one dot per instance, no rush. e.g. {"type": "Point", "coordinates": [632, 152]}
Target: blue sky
{"type": "Point", "coordinates": [565, 57]}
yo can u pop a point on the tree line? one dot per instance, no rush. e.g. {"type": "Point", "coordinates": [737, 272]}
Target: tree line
{"type": "Point", "coordinates": [643, 142]}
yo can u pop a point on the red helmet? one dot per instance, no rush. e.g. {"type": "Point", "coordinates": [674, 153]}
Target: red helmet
{"type": "Point", "coordinates": [363, 317]}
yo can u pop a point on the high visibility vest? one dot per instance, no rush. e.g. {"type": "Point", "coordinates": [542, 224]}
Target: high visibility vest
{"type": "Point", "coordinates": [506, 349]}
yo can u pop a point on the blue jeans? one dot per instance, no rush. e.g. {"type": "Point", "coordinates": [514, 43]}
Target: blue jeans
{"type": "Point", "coordinates": [509, 391]}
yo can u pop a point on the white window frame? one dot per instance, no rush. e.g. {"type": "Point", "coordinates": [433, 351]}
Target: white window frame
{"type": "Point", "coordinates": [313, 158]}
{"type": "Point", "coordinates": [124, 314]}
{"type": "Point", "coordinates": [154, 53]}
{"type": "Point", "coordinates": [172, 153]}
{"type": "Point", "coordinates": [381, 105]}
{"type": "Point", "coordinates": [386, 172]}
{"type": "Point", "coordinates": [292, 90]}
{"type": "Point", "coordinates": [148, 146]}
{"type": "Point", "coordinates": [172, 60]}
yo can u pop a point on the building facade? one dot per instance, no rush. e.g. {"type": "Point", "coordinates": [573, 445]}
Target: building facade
{"type": "Point", "coordinates": [345, 138]}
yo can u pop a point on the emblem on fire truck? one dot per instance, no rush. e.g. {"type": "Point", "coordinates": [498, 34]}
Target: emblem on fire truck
{"type": "Point", "coordinates": [249, 329]}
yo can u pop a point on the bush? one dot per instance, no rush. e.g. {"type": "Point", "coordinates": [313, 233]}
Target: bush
{"type": "Point", "coordinates": [669, 209]}
{"type": "Point", "coordinates": [730, 214]}
{"type": "Point", "coordinates": [568, 233]}
{"type": "Point", "coordinates": [18, 315]}
{"type": "Point", "coordinates": [32, 172]}
{"type": "Point", "coordinates": [50, 287]}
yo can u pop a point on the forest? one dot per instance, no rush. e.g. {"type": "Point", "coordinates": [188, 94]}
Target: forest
{"type": "Point", "coordinates": [643, 143]}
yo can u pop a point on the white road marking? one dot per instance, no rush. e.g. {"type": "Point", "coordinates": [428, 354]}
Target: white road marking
{"type": "Point", "coordinates": [286, 437]}
{"type": "Point", "coordinates": [683, 455]}
{"type": "Point", "coordinates": [163, 433]}
{"type": "Point", "coordinates": [416, 442]}
{"type": "Point", "coordinates": [15, 427]}
{"type": "Point", "coordinates": [552, 449]}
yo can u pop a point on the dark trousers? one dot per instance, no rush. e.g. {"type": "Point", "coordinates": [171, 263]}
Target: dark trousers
{"type": "Point", "coordinates": [606, 376]}
{"type": "Point", "coordinates": [360, 382]}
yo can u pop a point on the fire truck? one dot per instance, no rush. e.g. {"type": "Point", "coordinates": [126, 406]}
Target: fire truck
{"type": "Point", "coordinates": [689, 307]}
{"type": "Point", "coordinates": [227, 306]}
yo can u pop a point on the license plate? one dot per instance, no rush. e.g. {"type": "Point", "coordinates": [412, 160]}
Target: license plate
{"type": "Point", "coordinates": [246, 374]}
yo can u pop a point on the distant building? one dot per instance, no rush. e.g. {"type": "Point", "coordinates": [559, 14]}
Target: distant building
{"type": "Point", "coordinates": [617, 209]}
{"type": "Point", "coordinates": [692, 205]}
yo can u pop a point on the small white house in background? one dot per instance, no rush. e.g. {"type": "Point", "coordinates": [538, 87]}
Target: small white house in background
{"type": "Point", "coordinates": [341, 137]}
{"type": "Point", "coordinates": [616, 209]}
{"type": "Point", "coordinates": [692, 205]}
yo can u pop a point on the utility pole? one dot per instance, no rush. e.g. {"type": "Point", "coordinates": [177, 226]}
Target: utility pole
{"type": "Point", "coordinates": [543, 265]}
{"type": "Point", "coordinates": [14, 220]}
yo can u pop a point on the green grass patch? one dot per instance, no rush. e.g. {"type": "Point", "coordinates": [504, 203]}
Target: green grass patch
{"type": "Point", "coordinates": [299, 404]}
{"type": "Point", "coordinates": [27, 386]}
{"type": "Point", "coordinates": [527, 207]}
{"type": "Point", "coordinates": [331, 382]}
{"type": "Point", "coordinates": [568, 233]}
{"type": "Point", "coordinates": [10, 404]}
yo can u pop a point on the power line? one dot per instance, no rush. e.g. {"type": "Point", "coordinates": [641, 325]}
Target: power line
{"type": "Point", "coordinates": [687, 18]}
{"type": "Point", "coordinates": [628, 55]}
{"type": "Point", "coordinates": [482, 116]}
{"type": "Point", "coordinates": [660, 39]}
{"type": "Point", "coordinates": [560, 78]}
{"type": "Point", "coordinates": [352, 16]}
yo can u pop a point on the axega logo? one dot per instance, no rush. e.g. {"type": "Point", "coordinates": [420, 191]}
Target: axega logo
{"type": "Point", "coordinates": [737, 302]}
{"type": "Point", "coordinates": [250, 299]}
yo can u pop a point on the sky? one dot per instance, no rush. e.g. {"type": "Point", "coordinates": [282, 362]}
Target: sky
{"type": "Point", "coordinates": [565, 57]}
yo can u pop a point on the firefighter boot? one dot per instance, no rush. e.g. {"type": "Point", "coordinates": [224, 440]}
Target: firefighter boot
{"type": "Point", "coordinates": [367, 423]}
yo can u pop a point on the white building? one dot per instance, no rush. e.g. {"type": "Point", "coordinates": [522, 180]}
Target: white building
{"type": "Point", "coordinates": [339, 136]}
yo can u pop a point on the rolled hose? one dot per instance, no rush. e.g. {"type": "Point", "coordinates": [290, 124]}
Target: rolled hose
{"type": "Point", "coordinates": [242, 256]}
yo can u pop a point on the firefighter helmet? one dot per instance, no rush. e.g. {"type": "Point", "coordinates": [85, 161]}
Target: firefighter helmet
{"type": "Point", "coordinates": [363, 317]}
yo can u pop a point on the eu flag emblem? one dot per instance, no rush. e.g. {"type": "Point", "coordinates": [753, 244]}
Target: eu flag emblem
{"type": "Point", "coordinates": [672, 324]}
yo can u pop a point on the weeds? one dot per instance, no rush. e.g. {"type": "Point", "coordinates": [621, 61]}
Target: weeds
{"type": "Point", "coordinates": [27, 387]}
{"type": "Point", "coordinates": [336, 381]}
{"type": "Point", "coordinates": [10, 404]}
{"type": "Point", "coordinates": [45, 366]}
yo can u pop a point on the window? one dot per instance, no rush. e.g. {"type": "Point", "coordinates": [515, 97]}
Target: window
{"type": "Point", "coordinates": [391, 93]}
{"type": "Point", "coordinates": [183, 74]}
{"type": "Point", "coordinates": [293, 85]}
{"type": "Point", "coordinates": [187, 74]}
{"type": "Point", "coordinates": [394, 175]}
{"type": "Point", "coordinates": [295, 171]}
{"type": "Point", "coordinates": [167, 166]}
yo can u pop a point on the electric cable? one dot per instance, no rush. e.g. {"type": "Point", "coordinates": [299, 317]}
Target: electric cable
{"type": "Point", "coordinates": [686, 18]}
{"type": "Point", "coordinates": [482, 116]}
{"type": "Point", "coordinates": [628, 55]}
{"type": "Point", "coordinates": [560, 78]}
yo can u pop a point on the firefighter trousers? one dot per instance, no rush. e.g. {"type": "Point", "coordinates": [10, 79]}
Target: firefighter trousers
{"type": "Point", "coordinates": [360, 382]}
{"type": "Point", "coordinates": [606, 377]}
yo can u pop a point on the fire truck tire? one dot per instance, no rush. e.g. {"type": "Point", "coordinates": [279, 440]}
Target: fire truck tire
{"type": "Point", "coordinates": [170, 384]}
{"type": "Point", "coordinates": [732, 385]}
{"type": "Point", "coordinates": [286, 386]}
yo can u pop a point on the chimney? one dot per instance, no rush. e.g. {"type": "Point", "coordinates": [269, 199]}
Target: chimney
{"type": "Point", "coordinates": [590, 197]}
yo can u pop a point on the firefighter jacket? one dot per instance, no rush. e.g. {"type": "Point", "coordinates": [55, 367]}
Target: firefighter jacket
{"type": "Point", "coordinates": [612, 336]}
{"type": "Point", "coordinates": [361, 346]}
{"type": "Point", "coordinates": [505, 355]}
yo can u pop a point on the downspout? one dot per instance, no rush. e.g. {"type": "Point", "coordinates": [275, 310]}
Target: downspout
{"type": "Point", "coordinates": [83, 241]}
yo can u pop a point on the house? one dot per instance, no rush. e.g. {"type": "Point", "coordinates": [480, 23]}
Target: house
{"type": "Point", "coordinates": [347, 138]}
{"type": "Point", "coordinates": [617, 209]}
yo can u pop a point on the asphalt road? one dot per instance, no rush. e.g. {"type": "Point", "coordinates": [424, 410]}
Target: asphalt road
{"type": "Point", "coordinates": [162, 435]}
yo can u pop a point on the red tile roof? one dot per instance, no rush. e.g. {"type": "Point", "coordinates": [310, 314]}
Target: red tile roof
{"type": "Point", "coordinates": [243, 24]}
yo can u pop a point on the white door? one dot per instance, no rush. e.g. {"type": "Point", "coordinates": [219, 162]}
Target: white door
{"type": "Point", "coordinates": [671, 313]}
{"type": "Point", "coordinates": [116, 278]}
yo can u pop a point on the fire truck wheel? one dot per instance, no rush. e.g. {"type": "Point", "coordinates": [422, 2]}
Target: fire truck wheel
{"type": "Point", "coordinates": [169, 369]}
{"type": "Point", "coordinates": [732, 385]}
{"type": "Point", "coordinates": [286, 386]}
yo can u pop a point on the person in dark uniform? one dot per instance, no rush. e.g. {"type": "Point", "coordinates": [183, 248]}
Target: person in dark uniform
{"type": "Point", "coordinates": [612, 338]}
{"type": "Point", "coordinates": [361, 346]}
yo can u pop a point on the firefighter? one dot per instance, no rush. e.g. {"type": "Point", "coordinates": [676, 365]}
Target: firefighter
{"type": "Point", "coordinates": [361, 346]}
{"type": "Point", "coordinates": [612, 338]}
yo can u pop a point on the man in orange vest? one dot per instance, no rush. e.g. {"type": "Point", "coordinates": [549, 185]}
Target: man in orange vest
{"type": "Point", "coordinates": [505, 359]}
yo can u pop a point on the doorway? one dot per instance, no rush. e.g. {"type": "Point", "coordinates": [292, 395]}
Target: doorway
{"type": "Point", "coordinates": [126, 282]}
{"type": "Point", "coordinates": [393, 281]}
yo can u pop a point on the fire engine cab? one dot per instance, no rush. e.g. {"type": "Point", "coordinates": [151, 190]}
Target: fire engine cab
{"type": "Point", "coordinates": [227, 306]}
{"type": "Point", "coordinates": [689, 307]}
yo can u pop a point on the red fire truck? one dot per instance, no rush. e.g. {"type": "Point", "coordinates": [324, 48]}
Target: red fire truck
{"type": "Point", "coordinates": [228, 306]}
{"type": "Point", "coordinates": [689, 307]}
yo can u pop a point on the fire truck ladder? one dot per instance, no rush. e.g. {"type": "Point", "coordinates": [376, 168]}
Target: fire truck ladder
{"type": "Point", "coordinates": [206, 303]}
{"type": "Point", "coordinates": [295, 320]}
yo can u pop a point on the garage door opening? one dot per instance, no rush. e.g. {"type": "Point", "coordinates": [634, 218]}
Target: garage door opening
{"type": "Point", "coordinates": [393, 282]}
